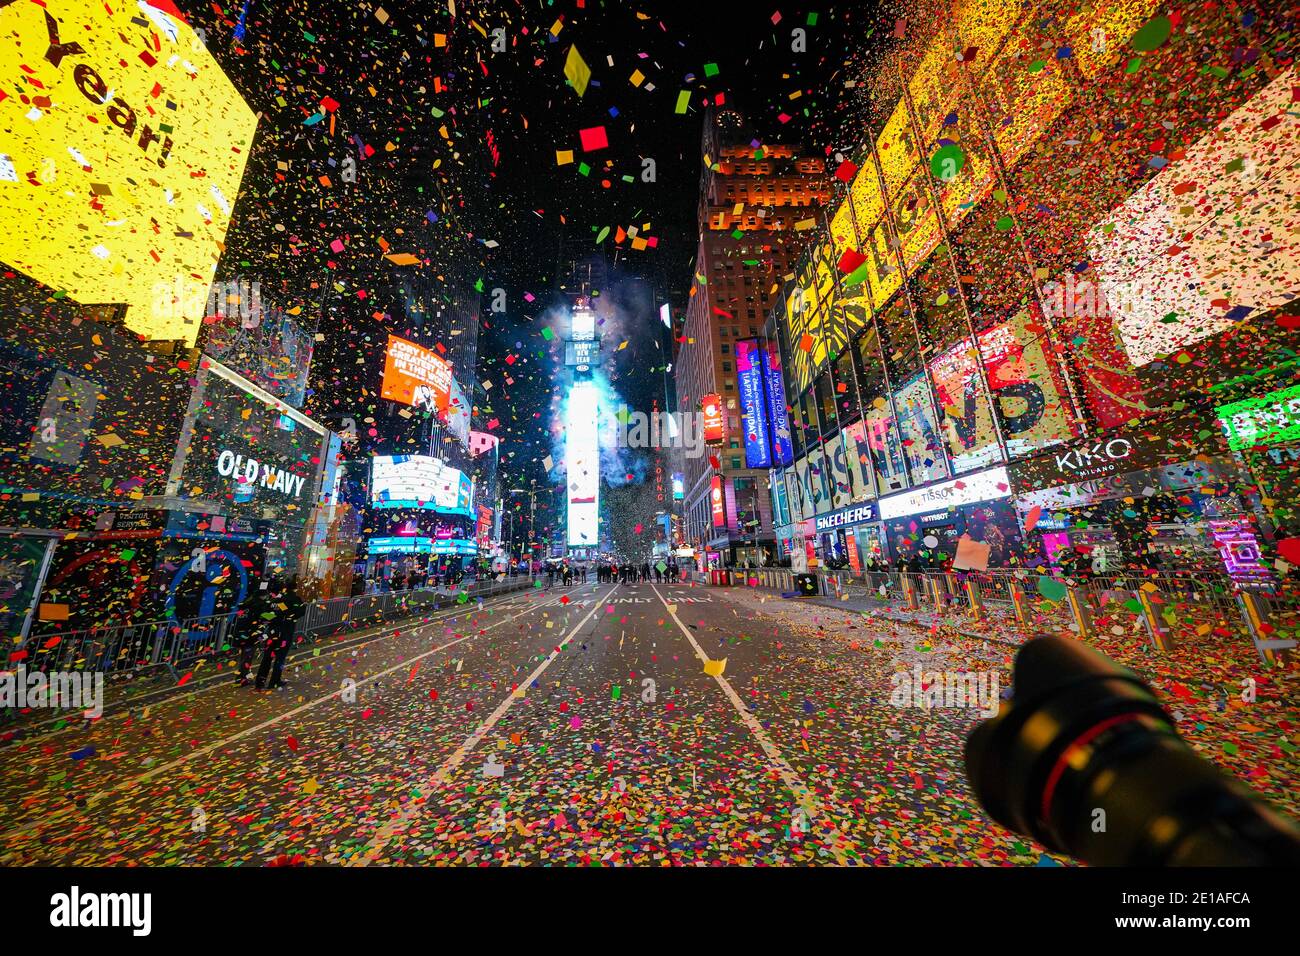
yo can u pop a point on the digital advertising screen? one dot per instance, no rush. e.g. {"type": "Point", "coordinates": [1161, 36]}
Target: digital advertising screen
{"type": "Point", "coordinates": [778, 413]}
{"type": "Point", "coordinates": [414, 375]}
{"type": "Point", "coordinates": [922, 448]}
{"type": "Point", "coordinates": [127, 145]}
{"type": "Point", "coordinates": [715, 423]}
{"type": "Point", "coordinates": [419, 481]}
{"type": "Point", "coordinates": [249, 452]}
{"type": "Point", "coordinates": [582, 465]}
{"type": "Point", "coordinates": [1176, 270]}
{"type": "Point", "coordinates": [753, 405]}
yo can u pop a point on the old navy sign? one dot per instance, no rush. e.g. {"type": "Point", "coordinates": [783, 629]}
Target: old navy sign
{"type": "Point", "coordinates": [855, 514]}
{"type": "Point", "coordinates": [249, 472]}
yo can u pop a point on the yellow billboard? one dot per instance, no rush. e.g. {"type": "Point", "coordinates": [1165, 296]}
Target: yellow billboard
{"type": "Point", "coordinates": [122, 145]}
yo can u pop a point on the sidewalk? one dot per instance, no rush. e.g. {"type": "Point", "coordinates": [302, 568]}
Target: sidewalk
{"type": "Point", "coordinates": [146, 687]}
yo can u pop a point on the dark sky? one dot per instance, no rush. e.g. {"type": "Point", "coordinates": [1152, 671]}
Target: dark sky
{"type": "Point", "coordinates": [435, 112]}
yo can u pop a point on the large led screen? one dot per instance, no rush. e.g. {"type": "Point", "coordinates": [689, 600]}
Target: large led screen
{"type": "Point", "coordinates": [125, 143]}
{"type": "Point", "coordinates": [582, 465]}
{"type": "Point", "coordinates": [419, 481]}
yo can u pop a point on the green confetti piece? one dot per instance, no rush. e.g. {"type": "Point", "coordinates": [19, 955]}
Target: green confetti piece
{"type": "Point", "coordinates": [1152, 34]}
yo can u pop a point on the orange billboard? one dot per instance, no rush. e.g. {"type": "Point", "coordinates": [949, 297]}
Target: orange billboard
{"type": "Point", "coordinates": [414, 375]}
{"type": "Point", "coordinates": [715, 426]}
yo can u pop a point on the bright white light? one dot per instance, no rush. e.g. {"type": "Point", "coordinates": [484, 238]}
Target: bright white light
{"type": "Point", "coordinates": [582, 464]}
{"type": "Point", "coordinates": [584, 324]}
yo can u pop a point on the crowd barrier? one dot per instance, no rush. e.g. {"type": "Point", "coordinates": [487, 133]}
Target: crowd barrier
{"type": "Point", "coordinates": [1169, 605]}
{"type": "Point", "coordinates": [174, 645]}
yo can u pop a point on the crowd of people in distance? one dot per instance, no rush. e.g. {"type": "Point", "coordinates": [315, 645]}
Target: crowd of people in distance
{"type": "Point", "coordinates": [610, 572]}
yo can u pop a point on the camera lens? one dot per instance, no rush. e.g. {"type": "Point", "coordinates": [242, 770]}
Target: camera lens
{"type": "Point", "coordinates": [1087, 762]}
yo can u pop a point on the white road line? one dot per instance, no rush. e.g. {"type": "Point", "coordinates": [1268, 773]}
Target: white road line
{"type": "Point", "coordinates": [384, 835]}
{"type": "Point", "coordinates": [794, 783]}
{"type": "Point", "coordinates": [99, 795]}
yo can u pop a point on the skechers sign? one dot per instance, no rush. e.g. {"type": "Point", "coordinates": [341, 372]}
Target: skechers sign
{"type": "Point", "coordinates": [249, 472]}
{"type": "Point", "coordinates": [857, 514]}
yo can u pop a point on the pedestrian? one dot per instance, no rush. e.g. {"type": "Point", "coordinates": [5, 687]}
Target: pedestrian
{"type": "Point", "coordinates": [287, 607]}
{"type": "Point", "coordinates": [659, 576]}
{"type": "Point", "coordinates": [251, 632]}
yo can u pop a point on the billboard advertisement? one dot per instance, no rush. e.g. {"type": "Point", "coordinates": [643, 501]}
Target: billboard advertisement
{"type": "Point", "coordinates": [419, 481]}
{"type": "Point", "coordinates": [1174, 268]}
{"type": "Point", "coordinates": [252, 455]}
{"type": "Point", "coordinates": [1028, 392]}
{"type": "Point", "coordinates": [127, 143]}
{"type": "Point", "coordinates": [753, 405]}
{"type": "Point", "coordinates": [858, 460]}
{"type": "Point", "coordinates": [715, 422]}
{"type": "Point", "coordinates": [922, 446]}
{"type": "Point", "coordinates": [778, 415]}
{"type": "Point", "coordinates": [1264, 420]}
{"type": "Point", "coordinates": [717, 502]}
{"type": "Point", "coordinates": [840, 481]}
{"type": "Point", "coordinates": [582, 466]}
{"type": "Point", "coordinates": [886, 454]}
{"type": "Point", "coordinates": [413, 375]}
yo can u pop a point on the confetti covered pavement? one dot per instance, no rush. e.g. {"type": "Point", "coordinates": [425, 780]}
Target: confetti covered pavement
{"type": "Point", "coordinates": [580, 726]}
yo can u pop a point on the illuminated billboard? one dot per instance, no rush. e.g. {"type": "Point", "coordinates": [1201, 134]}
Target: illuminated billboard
{"type": "Point", "coordinates": [715, 423]}
{"type": "Point", "coordinates": [248, 453]}
{"type": "Point", "coordinates": [582, 465]}
{"type": "Point", "coordinates": [1180, 260]}
{"type": "Point", "coordinates": [778, 415]}
{"type": "Point", "coordinates": [717, 502]}
{"type": "Point", "coordinates": [753, 405]}
{"type": "Point", "coordinates": [419, 481]}
{"type": "Point", "coordinates": [413, 375]}
{"type": "Point", "coordinates": [922, 446]}
{"type": "Point", "coordinates": [1265, 420]}
{"type": "Point", "coordinates": [126, 143]}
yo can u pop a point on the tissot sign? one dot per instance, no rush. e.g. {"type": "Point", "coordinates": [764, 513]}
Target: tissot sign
{"type": "Point", "coordinates": [1150, 444]}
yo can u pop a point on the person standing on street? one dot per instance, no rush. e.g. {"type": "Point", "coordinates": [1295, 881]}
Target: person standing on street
{"type": "Point", "coordinates": [288, 608]}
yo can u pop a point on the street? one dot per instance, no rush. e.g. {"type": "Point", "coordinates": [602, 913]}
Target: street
{"type": "Point", "coordinates": [566, 727]}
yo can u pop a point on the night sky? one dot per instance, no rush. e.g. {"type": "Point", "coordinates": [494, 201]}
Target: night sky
{"type": "Point", "coordinates": [464, 171]}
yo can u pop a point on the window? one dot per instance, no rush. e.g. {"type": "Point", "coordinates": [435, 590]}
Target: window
{"type": "Point", "coordinates": [726, 366]}
{"type": "Point", "coordinates": [735, 461]}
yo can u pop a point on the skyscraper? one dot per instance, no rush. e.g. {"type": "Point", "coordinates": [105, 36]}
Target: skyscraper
{"type": "Point", "coordinates": [757, 203]}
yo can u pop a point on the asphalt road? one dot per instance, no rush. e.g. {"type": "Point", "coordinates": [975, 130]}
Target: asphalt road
{"type": "Point", "coordinates": [564, 727]}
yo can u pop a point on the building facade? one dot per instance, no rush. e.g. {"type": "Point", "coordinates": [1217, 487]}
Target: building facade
{"type": "Point", "coordinates": [757, 208]}
{"type": "Point", "coordinates": [1027, 317]}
